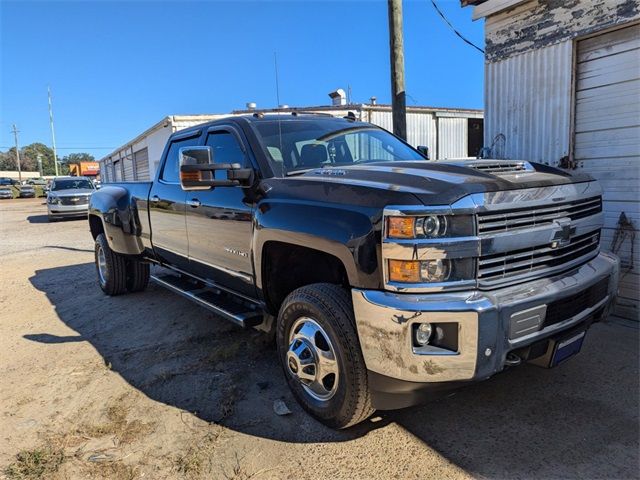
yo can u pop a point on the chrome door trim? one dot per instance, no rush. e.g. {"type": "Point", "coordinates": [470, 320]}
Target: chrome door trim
{"type": "Point", "coordinates": [234, 273]}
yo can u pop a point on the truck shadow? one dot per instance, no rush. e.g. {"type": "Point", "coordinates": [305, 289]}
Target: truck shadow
{"type": "Point", "coordinates": [525, 423]}
{"type": "Point", "coordinates": [45, 219]}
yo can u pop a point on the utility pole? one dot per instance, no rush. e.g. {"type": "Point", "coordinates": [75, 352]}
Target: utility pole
{"type": "Point", "coordinates": [53, 133]}
{"type": "Point", "coordinates": [396, 48]}
{"type": "Point", "coordinates": [39, 157]}
{"type": "Point", "coordinates": [15, 136]}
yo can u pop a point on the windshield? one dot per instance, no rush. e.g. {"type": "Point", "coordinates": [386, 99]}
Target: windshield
{"type": "Point", "coordinates": [71, 184]}
{"type": "Point", "coordinates": [301, 145]}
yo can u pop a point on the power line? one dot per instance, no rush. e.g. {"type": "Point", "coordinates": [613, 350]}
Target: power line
{"type": "Point", "coordinates": [454, 29]}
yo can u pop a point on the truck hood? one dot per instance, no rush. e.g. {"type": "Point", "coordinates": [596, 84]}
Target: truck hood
{"type": "Point", "coordinates": [443, 183]}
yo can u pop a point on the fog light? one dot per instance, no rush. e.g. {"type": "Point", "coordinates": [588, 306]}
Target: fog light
{"type": "Point", "coordinates": [423, 333]}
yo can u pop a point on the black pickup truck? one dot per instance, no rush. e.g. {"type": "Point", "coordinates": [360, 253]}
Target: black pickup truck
{"type": "Point", "coordinates": [382, 276]}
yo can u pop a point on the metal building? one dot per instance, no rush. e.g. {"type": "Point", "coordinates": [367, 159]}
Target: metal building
{"type": "Point", "coordinates": [562, 86]}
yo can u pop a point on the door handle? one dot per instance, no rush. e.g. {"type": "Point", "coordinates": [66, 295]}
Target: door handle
{"type": "Point", "coordinates": [194, 203]}
{"type": "Point", "coordinates": [154, 199]}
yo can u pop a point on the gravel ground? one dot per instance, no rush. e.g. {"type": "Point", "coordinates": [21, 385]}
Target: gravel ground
{"type": "Point", "coordinates": [150, 385]}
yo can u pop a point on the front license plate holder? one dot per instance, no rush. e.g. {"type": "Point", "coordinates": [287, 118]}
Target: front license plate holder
{"type": "Point", "coordinates": [567, 347]}
{"type": "Point", "coordinates": [557, 350]}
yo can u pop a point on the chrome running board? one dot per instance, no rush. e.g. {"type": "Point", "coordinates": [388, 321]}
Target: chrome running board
{"type": "Point", "coordinates": [214, 299]}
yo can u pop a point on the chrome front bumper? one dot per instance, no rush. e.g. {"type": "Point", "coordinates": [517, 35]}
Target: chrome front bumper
{"type": "Point", "coordinates": [56, 210]}
{"type": "Point", "coordinates": [384, 321]}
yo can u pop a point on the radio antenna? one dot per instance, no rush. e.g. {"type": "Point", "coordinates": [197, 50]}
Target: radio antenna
{"type": "Point", "coordinates": [275, 64]}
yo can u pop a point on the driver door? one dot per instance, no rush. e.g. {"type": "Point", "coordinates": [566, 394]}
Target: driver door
{"type": "Point", "coordinates": [219, 221]}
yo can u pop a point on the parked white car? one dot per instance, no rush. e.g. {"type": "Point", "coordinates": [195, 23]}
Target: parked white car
{"type": "Point", "coordinates": [69, 197]}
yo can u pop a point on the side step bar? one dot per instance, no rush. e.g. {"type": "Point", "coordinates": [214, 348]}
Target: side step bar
{"type": "Point", "coordinates": [211, 298]}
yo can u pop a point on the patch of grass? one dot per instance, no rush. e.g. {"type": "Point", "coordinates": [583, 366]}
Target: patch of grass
{"type": "Point", "coordinates": [117, 424]}
{"type": "Point", "coordinates": [36, 463]}
{"type": "Point", "coordinates": [112, 471]}
{"type": "Point", "coordinates": [196, 461]}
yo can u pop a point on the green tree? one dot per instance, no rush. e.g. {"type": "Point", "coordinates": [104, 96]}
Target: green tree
{"type": "Point", "coordinates": [29, 158]}
{"type": "Point", "coordinates": [8, 160]}
{"type": "Point", "coordinates": [78, 157]}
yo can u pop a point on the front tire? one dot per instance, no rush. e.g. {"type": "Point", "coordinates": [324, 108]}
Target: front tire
{"type": "Point", "coordinates": [111, 268]}
{"type": "Point", "coordinates": [321, 357]}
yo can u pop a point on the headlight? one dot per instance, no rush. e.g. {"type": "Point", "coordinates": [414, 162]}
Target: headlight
{"type": "Point", "coordinates": [53, 200]}
{"type": "Point", "coordinates": [430, 226]}
{"type": "Point", "coordinates": [431, 271]}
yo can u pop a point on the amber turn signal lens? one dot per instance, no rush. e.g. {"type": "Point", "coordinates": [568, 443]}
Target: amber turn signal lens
{"type": "Point", "coordinates": [404, 271]}
{"type": "Point", "coordinates": [401, 227]}
{"type": "Point", "coordinates": [190, 176]}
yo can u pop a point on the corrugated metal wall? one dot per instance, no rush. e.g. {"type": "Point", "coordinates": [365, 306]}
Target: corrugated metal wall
{"type": "Point", "coordinates": [528, 100]}
{"type": "Point", "coordinates": [421, 129]}
{"type": "Point", "coordinates": [382, 119]}
{"type": "Point", "coordinates": [452, 137]}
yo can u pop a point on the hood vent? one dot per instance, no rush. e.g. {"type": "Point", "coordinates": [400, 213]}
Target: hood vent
{"type": "Point", "coordinates": [501, 167]}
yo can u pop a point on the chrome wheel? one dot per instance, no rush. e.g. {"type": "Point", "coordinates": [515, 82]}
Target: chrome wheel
{"type": "Point", "coordinates": [311, 359]}
{"type": "Point", "coordinates": [102, 266]}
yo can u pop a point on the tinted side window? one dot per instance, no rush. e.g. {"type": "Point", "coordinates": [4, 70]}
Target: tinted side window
{"type": "Point", "coordinates": [170, 171]}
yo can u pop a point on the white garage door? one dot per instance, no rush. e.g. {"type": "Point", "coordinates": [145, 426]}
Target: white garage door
{"type": "Point", "coordinates": [141, 161]}
{"type": "Point", "coordinates": [117, 171]}
{"type": "Point", "coordinates": [127, 167]}
{"type": "Point", "coordinates": [607, 142]}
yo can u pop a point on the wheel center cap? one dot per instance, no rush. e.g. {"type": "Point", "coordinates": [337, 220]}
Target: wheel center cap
{"type": "Point", "coordinates": [301, 360]}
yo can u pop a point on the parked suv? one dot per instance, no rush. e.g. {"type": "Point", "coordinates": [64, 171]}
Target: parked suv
{"type": "Point", "coordinates": [69, 197]}
{"type": "Point", "coordinates": [6, 192]}
{"type": "Point", "coordinates": [383, 277]}
{"type": "Point", "coordinates": [26, 191]}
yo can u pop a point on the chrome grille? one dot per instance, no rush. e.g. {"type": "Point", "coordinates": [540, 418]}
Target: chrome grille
{"type": "Point", "coordinates": [501, 167]}
{"type": "Point", "coordinates": [508, 220]}
{"type": "Point", "coordinates": [79, 200]}
{"type": "Point", "coordinates": [535, 261]}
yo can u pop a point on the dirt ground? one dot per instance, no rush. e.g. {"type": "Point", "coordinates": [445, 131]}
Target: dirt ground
{"type": "Point", "coordinates": [151, 386]}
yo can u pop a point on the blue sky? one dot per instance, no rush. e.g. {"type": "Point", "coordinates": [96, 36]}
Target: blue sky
{"type": "Point", "coordinates": [116, 68]}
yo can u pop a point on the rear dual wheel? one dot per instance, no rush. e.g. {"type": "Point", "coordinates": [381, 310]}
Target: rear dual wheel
{"type": "Point", "coordinates": [118, 273]}
{"type": "Point", "coordinates": [321, 357]}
